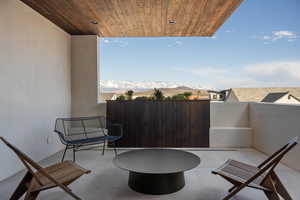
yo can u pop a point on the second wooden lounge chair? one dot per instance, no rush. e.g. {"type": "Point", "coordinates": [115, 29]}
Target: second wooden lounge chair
{"type": "Point", "coordinates": [38, 178]}
{"type": "Point", "coordinates": [262, 177]}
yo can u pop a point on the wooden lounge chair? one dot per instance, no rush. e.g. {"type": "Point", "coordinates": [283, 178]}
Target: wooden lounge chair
{"type": "Point", "coordinates": [262, 177]}
{"type": "Point", "coordinates": [38, 178]}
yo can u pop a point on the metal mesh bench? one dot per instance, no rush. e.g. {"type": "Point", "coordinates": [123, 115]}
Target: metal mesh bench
{"type": "Point", "coordinates": [87, 131]}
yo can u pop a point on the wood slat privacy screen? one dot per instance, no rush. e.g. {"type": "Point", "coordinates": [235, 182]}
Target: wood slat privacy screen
{"type": "Point", "coordinates": [162, 123]}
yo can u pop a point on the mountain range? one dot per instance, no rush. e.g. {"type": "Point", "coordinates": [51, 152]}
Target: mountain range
{"type": "Point", "coordinates": [119, 86]}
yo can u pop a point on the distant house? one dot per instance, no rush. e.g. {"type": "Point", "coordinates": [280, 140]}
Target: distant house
{"type": "Point", "coordinates": [107, 96]}
{"type": "Point", "coordinates": [281, 97]}
{"type": "Point", "coordinates": [258, 94]}
{"type": "Point", "coordinates": [217, 95]}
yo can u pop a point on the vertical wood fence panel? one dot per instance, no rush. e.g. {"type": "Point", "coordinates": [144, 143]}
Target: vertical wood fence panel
{"type": "Point", "coordinates": [162, 123]}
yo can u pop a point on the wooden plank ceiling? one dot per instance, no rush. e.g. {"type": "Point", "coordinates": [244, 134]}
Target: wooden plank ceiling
{"type": "Point", "coordinates": [137, 18]}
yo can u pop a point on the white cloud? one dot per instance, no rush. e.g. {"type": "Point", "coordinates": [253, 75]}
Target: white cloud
{"type": "Point", "coordinates": [272, 74]}
{"type": "Point", "coordinates": [278, 35]}
{"type": "Point", "coordinates": [267, 37]}
{"type": "Point", "coordinates": [210, 37]}
{"type": "Point", "coordinates": [175, 43]}
{"type": "Point", "coordinates": [283, 71]}
{"type": "Point", "coordinates": [119, 42]}
{"type": "Point", "coordinates": [284, 34]}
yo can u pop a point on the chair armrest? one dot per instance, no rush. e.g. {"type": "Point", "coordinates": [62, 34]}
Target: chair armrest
{"type": "Point", "coordinates": [61, 137]}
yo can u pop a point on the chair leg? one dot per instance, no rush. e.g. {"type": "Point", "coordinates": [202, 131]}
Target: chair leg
{"type": "Point", "coordinates": [271, 195]}
{"type": "Point", "coordinates": [234, 183]}
{"type": "Point", "coordinates": [63, 158]}
{"type": "Point", "coordinates": [232, 188]}
{"type": "Point", "coordinates": [234, 191]}
{"type": "Point", "coordinates": [22, 188]}
{"type": "Point", "coordinates": [103, 148]}
{"type": "Point", "coordinates": [31, 195]}
{"type": "Point", "coordinates": [69, 191]}
{"type": "Point", "coordinates": [280, 187]}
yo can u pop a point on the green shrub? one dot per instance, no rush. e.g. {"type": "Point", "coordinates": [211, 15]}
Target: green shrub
{"type": "Point", "coordinates": [120, 98]}
{"type": "Point", "coordinates": [178, 97]}
{"type": "Point", "coordinates": [151, 98]}
{"type": "Point", "coordinates": [142, 98]}
{"type": "Point", "coordinates": [187, 95]}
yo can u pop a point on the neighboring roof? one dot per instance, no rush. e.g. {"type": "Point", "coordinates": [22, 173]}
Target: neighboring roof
{"type": "Point", "coordinates": [258, 94]}
{"type": "Point", "coordinates": [213, 91]}
{"type": "Point", "coordinates": [217, 91]}
{"type": "Point", "coordinates": [106, 96]}
{"type": "Point", "coordinates": [140, 18]}
{"type": "Point", "coordinates": [272, 97]}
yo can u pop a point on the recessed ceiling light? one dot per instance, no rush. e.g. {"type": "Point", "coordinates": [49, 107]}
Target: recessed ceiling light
{"type": "Point", "coordinates": [94, 22]}
{"type": "Point", "coordinates": [172, 21]}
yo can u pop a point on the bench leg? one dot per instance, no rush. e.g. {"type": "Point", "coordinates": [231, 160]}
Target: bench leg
{"type": "Point", "coordinates": [74, 159]}
{"type": "Point", "coordinates": [63, 157]}
{"type": "Point", "coordinates": [103, 148]}
{"type": "Point", "coordinates": [115, 149]}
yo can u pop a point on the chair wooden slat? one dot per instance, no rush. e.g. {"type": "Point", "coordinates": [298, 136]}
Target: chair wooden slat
{"type": "Point", "coordinates": [239, 172]}
{"type": "Point", "coordinates": [65, 172]}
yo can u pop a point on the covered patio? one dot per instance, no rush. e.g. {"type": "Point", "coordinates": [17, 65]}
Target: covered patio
{"type": "Point", "coordinates": [108, 182]}
{"type": "Point", "coordinates": [49, 57]}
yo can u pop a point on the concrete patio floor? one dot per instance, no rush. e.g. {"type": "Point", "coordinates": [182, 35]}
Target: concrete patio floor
{"type": "Point", "coordinates": [107, 182]}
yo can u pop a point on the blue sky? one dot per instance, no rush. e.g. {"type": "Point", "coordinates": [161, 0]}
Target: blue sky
{"type": "Point", "coordinates": [258, 46]}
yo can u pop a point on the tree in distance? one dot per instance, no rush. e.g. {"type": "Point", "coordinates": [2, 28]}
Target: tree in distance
{"type": "Point", "coordinates": [129, 94]}
{"type": "Point", "coordinates": [158, 94]}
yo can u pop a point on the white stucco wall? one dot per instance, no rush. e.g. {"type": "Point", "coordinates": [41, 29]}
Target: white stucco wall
{"type": "Point", "coordinates": [229, 125]}
{"type": "Point", "coordinates": [85, 66]}
{"type": "Point", "coordinates": [229, 114]}
{"type": "Point", "coordinates": [273, 125]}
{"type": "Point", "coordinates": [34, 83]}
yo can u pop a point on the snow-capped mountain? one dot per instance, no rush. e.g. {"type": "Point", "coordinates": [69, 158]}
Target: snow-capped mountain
{"type": "Point", "coordinates": [112, 85]}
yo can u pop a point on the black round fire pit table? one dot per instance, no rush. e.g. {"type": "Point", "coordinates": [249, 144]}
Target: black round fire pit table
{"type": "Point", "coordinates": [156, 171]}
